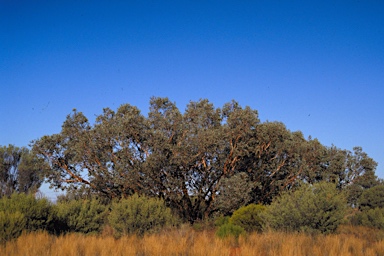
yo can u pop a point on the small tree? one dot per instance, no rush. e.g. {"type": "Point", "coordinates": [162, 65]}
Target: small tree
{"type": "Point", "coordinates": [314, 208]}
{"type": "Point", "coordinates": [138, 215]}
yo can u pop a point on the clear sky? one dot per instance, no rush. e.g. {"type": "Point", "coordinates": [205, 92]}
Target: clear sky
{"type": "Point", "coordinates": [316, 66]}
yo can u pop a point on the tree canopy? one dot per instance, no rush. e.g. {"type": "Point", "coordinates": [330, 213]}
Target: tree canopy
{"type": "Point", "coordinates": [192, 160]}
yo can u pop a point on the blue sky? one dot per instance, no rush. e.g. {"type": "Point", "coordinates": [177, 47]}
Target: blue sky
{"type": "Point", "coordinates": [316, 66]}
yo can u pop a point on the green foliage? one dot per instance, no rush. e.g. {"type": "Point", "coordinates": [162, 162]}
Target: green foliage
{"type": "Point", "coordinates": [275, 162]}
{"type": "Point", "coordinates": [230, 230]}
{"type": "Point", "coordinates": [37, 212]}
{"type": "Point", "coordinates": [372, 198]}
{"type": "Point", "coordinates": [221, 220]}
{"type": "Point", "coordinates": [139, 215]}
{"type": "Point", "coordinates": [371, 206]}
{"type": "Point", "coordinates": [234, 192]}
{"type": "Point", "coordinates": [370, 218]}
{"type": "Point", "coordinates": [360, 184]}
{"type": "Point", "coordinates": [20, 171]}
{"type": "Point", "coordinates": [313, 208]}
{"type": "Point", "coordinates": [202, 161]}
{"type": "Point", "coordinates": [11, 225]}
{"type": "Point", "coordinates": [84, 216]}
{"type": "Point", "coordinates": [249, 217]}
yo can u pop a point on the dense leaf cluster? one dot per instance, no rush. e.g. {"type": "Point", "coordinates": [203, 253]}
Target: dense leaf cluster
{"type": "Point", "coordinates": [203, 161]}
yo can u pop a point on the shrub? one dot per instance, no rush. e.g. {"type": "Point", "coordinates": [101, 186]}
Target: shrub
{"type": "Point", "coordinates": [37, 212]}
{"type": "Point", "coordinates": [11, 225]}
{"type": "Point", "coordinates": [370, 218]}
{"type": "Point", "coordinates": [221, 220]}
{"type": "Point", "coordinates": [84, 216]}
{"type": "Point", "coordinates": [139, 215]}
{"type": "Point", "coordinates": [311, 208]}
{"type": "Point", "coordinates": [249, 217]}
{"type": "Point", "coordinates": [372, 198]}
{"type": "Point", "coordinates": [230, 230]}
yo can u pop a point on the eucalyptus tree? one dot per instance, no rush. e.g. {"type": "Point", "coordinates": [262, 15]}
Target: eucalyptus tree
{"type": "Point", "coordinates": [20, 170]}
{"type": "Point", "coordinates": [194, 159]}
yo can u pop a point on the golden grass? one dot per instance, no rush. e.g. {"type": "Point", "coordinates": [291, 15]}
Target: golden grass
{"type": "Point", "coordinates": [349, 241]}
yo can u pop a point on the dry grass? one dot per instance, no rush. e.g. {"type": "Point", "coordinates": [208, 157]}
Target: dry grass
{"type": "Point", "coordinates": [185, 241]}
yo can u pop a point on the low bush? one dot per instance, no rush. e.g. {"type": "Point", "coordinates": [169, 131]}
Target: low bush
{"type": "Point", "coordinates": [37, 212]}
{"type": "Point", "coordinates": [249, 217]}
{"type": "Point", "coordinates": [11, 225]}
{"type": "Point", "coordinates": [311, 208]}
{"type": "Point", "coordinates": [372, 198]}
{"type": "Point", "coordinates": [84, 216]}
{"type": "Point", "coordinates": [373, 218]}
{"type": "Point", "coordinates": [139, 215]}
{"type": "Point", "coordinates": [221, 220]}
{"type": "Point", "coordinates": [230, 230]}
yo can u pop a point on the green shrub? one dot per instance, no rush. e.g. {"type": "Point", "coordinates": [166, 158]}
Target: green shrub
{"type": "Point", "coordinates": [249, 217]}
{"type": "Point", "coordinates": [311, 208]}
{"type": "Point", "coordinates": [370, 218]}
{"type": "Point", "coordinates": [139, 215]}
{"type": "Point", "coordinates": [11, 225]}
{"type": "Point", "coordinates": [221, 220]}
{"type": "Point", "coordinates": [230, 230]}
{"type": "Point", "coordinates": [84, 216]}
{"type": "Point", "coordinates": [37, 212]}
{"type": "Point", "coordinates": [372, 198]}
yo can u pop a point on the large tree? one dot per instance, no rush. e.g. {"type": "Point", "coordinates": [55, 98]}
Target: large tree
{"type": "Point", "coordinates": [192, 159]}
